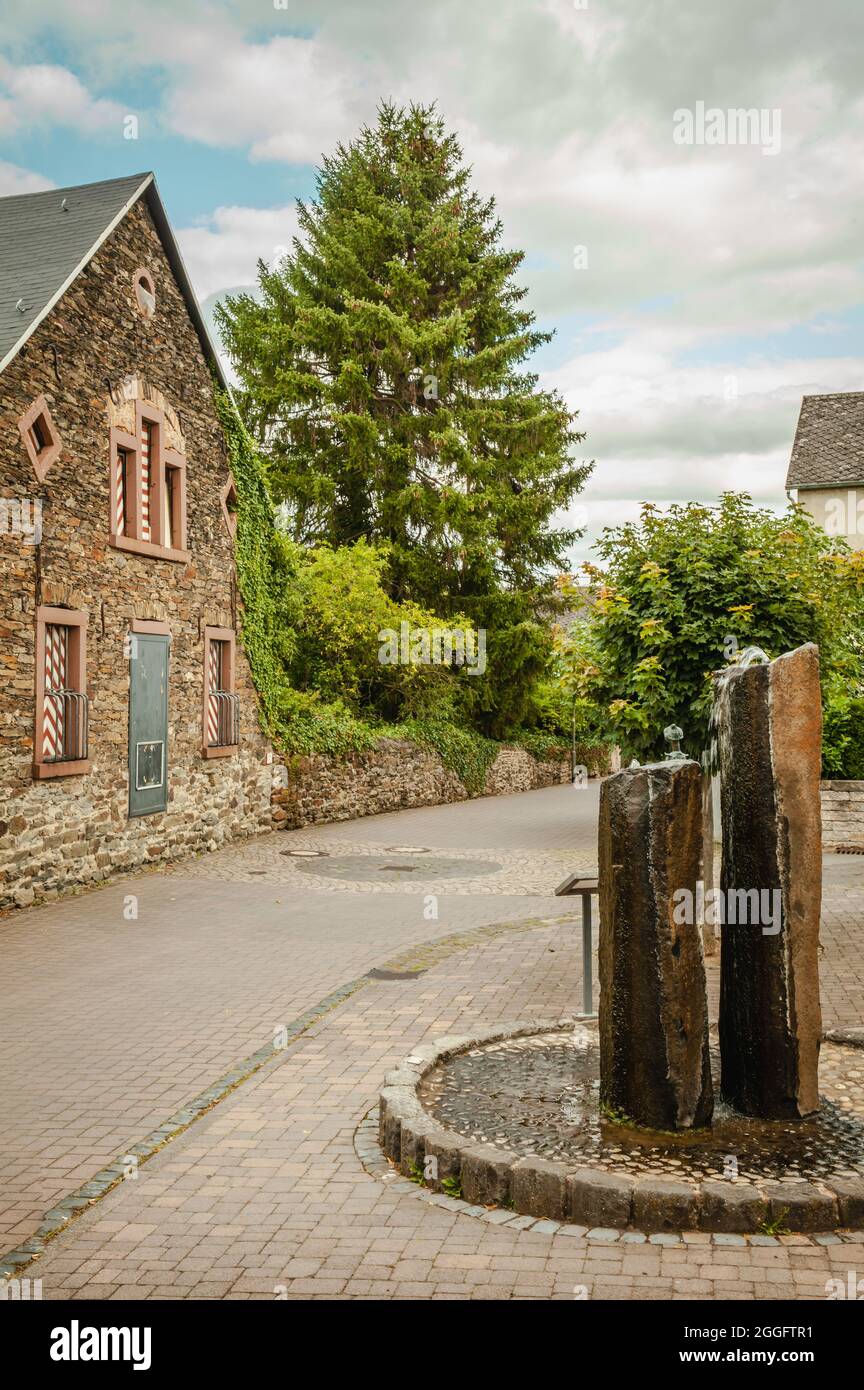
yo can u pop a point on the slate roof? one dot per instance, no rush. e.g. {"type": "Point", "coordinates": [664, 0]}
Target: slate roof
{"type": "Point", "coordinates": [46, 240]}
{"type": "Point", "coordinates": [829, 442]}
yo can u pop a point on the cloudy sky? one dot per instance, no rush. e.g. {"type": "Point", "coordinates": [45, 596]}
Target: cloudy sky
{"type": "Point", "coordinates": [697, 290]}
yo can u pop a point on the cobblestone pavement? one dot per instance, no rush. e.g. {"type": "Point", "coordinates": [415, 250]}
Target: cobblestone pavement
{"type": "Point", "coordinates": [111, 1022]}
{"type": "Point", "coordinates": [266, 1196]}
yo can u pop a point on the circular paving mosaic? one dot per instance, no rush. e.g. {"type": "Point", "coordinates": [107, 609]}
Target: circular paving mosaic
{"type": "Point", "coordinates": [538, 1096]}
{"type": "Point", "coordinates": [397, 867]}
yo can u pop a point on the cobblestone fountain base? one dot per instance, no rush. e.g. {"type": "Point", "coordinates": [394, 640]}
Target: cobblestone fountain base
{"type": "Point", "coordinates": [512, 1119]}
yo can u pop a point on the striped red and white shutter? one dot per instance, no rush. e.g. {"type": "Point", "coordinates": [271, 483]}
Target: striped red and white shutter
{"type": "Point", "coordinates": [119, 510]}
{"type": "Point", "coordinates": [145, 481]}
{"type": "Point", "coordinates": [214, 678]}
{"type": "Point", "coordinates": [56, 659]}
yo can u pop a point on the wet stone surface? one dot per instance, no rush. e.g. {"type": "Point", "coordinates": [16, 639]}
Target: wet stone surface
{"type": "Point", "coordinates": [539, 1096]}
{"type": "Point", "coordinates": [396, 866]}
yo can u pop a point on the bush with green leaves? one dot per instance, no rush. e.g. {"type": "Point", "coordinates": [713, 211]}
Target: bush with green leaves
{"type": "Point", "coordinates": [298, 721]}
{"type": "Point", "coordinates": [339, 612]}
{"type": "Point", "coordinates": [682, 592]}
{"type": "Point", "coordinates": [843, 735]}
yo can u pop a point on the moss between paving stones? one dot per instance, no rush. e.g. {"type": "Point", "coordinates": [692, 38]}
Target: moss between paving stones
{"type": "Point", "coordinates": [535, 1187]}
{"type": "Point", "coordinates": [57, 1219]}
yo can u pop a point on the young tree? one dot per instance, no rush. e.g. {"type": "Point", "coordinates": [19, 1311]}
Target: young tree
{"type": "Point", "coordinates": [684, 592]}
{"type": "Point", "coordinates": [382, 372]}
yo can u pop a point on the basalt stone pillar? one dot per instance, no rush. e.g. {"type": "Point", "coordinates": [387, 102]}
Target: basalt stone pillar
{"type": "Point", "coordinates": [769, 725]}
{"type": "Point", "coordinates": [654, 1064]}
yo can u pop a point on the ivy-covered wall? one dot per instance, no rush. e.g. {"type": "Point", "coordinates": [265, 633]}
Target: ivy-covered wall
{"type": "Point", "coordinates": [396, 773]}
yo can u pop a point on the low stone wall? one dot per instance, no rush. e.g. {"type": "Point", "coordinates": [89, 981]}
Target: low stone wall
{"type": "Point", "coordinates": [842, 814]}
{"type": "Point", "coordinates": [394, 774]}
{"type": "Point", "coordinates": [514, 770]}
{"type": "Point", "coordinates": [58, 836]}
{"type": "Point", "coordinates": [487, 1175]}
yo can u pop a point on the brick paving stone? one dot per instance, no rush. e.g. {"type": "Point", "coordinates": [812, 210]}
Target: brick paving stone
{"type": "Point", "coordinates": [217, 960]}
{"type": "Point", "coordinates": [264, 1196]}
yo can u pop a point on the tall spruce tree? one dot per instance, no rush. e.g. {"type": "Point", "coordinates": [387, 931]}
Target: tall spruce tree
{"type": "Point", "coordinates": [381, 371]}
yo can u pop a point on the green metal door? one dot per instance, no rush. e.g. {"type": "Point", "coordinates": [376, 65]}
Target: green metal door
{"type": "Point", "coordinates": [148, 724]}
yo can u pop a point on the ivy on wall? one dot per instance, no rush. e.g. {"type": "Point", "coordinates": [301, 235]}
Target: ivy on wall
{"type": "Point", "coordinates": [299, 721]}
{"type": "Point", "coordinates": [296, 721]}
{"type": "Point", "coordinates": [461, 750]}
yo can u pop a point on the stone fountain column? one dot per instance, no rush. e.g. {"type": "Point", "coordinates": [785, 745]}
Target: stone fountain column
{"type": "Point", "coordinates": [769, 726]}
{"type": "Point", "coordinates": [653, 1016]}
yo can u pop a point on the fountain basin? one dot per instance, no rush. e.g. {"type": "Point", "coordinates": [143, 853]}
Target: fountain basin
{"type": "Point", "coordinates": [513, 1119]}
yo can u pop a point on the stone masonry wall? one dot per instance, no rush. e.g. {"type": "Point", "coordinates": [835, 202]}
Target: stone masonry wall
{"type": "Point", "coordinates": [89, 358]}
{"type": "Point", "coordinates": [75, 830]}
{"type": "Point", "coordinates": [842, 814]}
{"type": "Point", "coordinates": [393, 775]}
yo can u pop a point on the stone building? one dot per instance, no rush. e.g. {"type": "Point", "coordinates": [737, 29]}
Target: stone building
{"type": "Point", "coordinates": [826, 469]}
{"type": "Point", "coordinates": [129, 730]}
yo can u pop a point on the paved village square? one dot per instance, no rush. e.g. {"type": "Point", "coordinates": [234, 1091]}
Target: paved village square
{"type": "Point", "coordinates": [279, 1190]}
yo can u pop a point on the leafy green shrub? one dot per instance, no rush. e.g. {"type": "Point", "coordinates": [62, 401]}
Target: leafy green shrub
{"type": "Point", "coordinates": [835, 732]}
{"type": "Point", "coordinates": [311, 622]}
{"type": "Point", "coordinates": [685, 590]}
{"type": "Point", "coordinates": [541, 743]}
{"type": "Point", "coordinates": [843, 736]}
{"type": "Point", "coordinates": [338, 609]}
{"type": "Point", "coordinates": [460, 749]}
{"type": "Point", "coordinates": [297, 721]}
{"type": "Point", "coordinates": [853, 764]}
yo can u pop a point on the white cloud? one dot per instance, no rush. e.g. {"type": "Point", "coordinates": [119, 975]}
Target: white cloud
{"type": "Point", "coordinates": [637, 402]}
{"type": "Point", "coordinates": [14, 179]}
{"type": "Point", "coordinates": [668, 433]}
{"type": "Point", "coordinates": [42, 94]}
{"type": "Point", "coordinates": [224, 251]}
{"type": "Point", "coordinates": [284, 99]}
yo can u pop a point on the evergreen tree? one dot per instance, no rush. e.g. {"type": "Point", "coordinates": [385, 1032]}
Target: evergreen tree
{"type": "Point", "coordinates": [381, 371]}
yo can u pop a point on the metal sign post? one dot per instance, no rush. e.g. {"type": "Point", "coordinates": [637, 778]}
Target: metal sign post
{"type": "Point", "coordinates": [583, 886]}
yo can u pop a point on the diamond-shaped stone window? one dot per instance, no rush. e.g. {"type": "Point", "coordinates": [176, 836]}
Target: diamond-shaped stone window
{"type": "Point", "coordinates": [229, 506]}
{"type": "Point", "coordinates": [40, 436]}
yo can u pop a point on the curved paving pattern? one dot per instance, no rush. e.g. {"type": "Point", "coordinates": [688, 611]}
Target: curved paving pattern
{"type": "Point", "coordinates": [400, 870]}
{"type": "Point", "coordinates": [358, 867]}
{"type": "Point", "coordinates": [539, 1096]}
{"type": "Point", "coordinates": [116, 1023]}
{"type": "Point", "coordinates": [265, 1196]}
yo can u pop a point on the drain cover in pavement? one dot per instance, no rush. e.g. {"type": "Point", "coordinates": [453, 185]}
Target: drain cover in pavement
{"type": "Point", "coordinates": [377, 974]}
{"type": "Point", "coordinates": [375, 866]}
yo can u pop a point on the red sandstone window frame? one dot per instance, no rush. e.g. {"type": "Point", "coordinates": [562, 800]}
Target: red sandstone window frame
{"type": "Point", "coordinates": [37, 420]}
{"type": "Point", "coordinates": [228, 498]}
{"type": "Point", "coordinates": [126, 494]}
{"type": "Point", "coordinates": [151, 625]}
{"type": "Point", "coordinates": [167, 471]}
{"type": "Point", "coordinates": [174, 483]}
{"type": "Point", "coordinates": [227, 636]}
{"type": "Point", "coordinates": [144, 292]}
{"type": "Point", "coordinates": [76, 679]}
